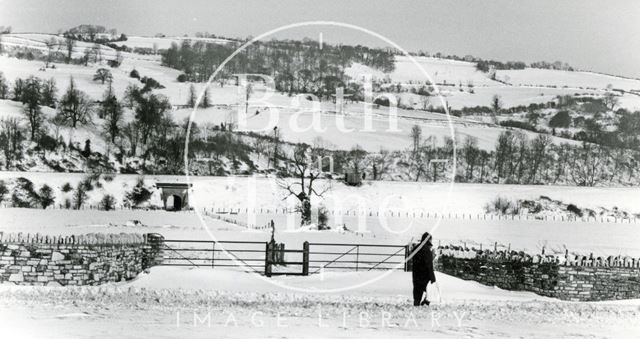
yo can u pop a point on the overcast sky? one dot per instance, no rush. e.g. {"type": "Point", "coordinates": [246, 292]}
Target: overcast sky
{"type": "Point", "coordinates": [596, 35]}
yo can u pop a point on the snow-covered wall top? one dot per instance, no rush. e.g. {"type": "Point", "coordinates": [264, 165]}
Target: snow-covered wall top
{"type": "Point", "coordinates": [91, 259]}
{"type": "Point", "coordinates": [518, 256]}
{"type": "Point", "coordinates": [84, 239]}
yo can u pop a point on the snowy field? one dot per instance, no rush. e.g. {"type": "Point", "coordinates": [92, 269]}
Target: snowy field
{"type": "Point", "coordinates": [201, 303]}
{"type": "Point", "coordinates": [423, 199]}
{"type": "Point", "coordinates": [235, 192]}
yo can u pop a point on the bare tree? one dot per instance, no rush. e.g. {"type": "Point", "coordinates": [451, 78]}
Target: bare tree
{"type": "Point", "coordinates": [103, 74]}
{"type": "Point", "coordinates": [31, 98]}
{"type": "Point", "coordinates": [471, 153]}
{"type": "Point", "coordinates": [381, 163]}
{"type": "Point", "coordinates": [305, 173]}
{"type": "Point", "coordinates": [50, 44]}
{"type": "Point", "coordinates": [356, 158]}
{"type": "Point", "coordinates": [69, 44]}
{"type": "Point", "coordinates": [4, 87]}
{"type": "Point", "coordinates": [589, 167]}
{"type": "Point", "coordinates": [496, 105]}
{"type": "Point", "coordinates": [275, 145]}
{"type": "Point", "coordinates": [191, 101]}
{"type": "Point", "coordinates": [75, 107]}
{"type": "Point", "coordinates": [10, 139]}
{"type": "Point", "coordinates": [539, 148]}
{"type": "Point", "coordinates": [416, 138]}
{"type": "Point", "coordinates": [111, 111]}
{"type": "Point", "coordinates": [609, 98]}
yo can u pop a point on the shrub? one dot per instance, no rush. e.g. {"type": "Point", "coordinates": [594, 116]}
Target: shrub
{"type": "Point", "coordinates": [67, 188]}
{"type": "Point", "coordinates": [518, 124]}
{"type": "Point", "coordinates": [139, 194]}
{"type": "Point", "coordinates": [134, 74]}
{"type": "Point", "coordinates": [67, 203]}
{"type": "Point", "coordinates": [46, 196]}
{"type": "Point", "coordinates": [108, 202]}
{"type": "Point", "coordinates": [79, 196]}
{"type": "Point", "coordinates": [323, 217]}
{"type": "Point", "coordinates": [574, 209]}
{"type": "Point", "coordinates": [4, 190]}
{"type": "Point", "coordinates": [149, 84]}
{"type": "Point", "coordinates": [182, 77]}
{"type": "Point", "coordinates": [561, 119]}
{"type": "Point", "coordinates": [23, 194]}
{"type": "Point", "coordinates": [502, 206]}
{"type": "Point", "coordinates": [86, 184]}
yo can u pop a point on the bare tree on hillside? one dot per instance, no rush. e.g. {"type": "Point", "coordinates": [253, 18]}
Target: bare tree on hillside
{"type": "Point", "coordinates": [275, 148]}
{"type": "Point", "coordinates": [471, 154]}
{"type": "Point", "coordinates": [496, 105]}
{"type": "Point", "coordinates": [103, 74]}
{"type": "Point", "coordinates": [191, 101]}
{"type": "Point", "coordinates": [4, 87]}
{"type": "Point", "coordinates": [10, 140]}
{"type": "Point", "coordinates": [50, 44]}
{"type": "Point", "coordinates": [76, 108]}
{"type": "Point", "coordinates": [381, 163]}
{"type": "Point", "coordinates": [589, 167]}
{"type": "Point", "coordinates": [609, 98]}
{"type": "Point", "coordinates": [356, 157]}
{"type": "Point", "coordinates": [31, 98]}
{"type": "Point", "coordinates": [69, 44]}
{"type": "Point", "coordinates": [416, 138]}
{"type": "Point", "coordinates": [112, 113]}
{"type": "Point", "coordinates": [539, 148]}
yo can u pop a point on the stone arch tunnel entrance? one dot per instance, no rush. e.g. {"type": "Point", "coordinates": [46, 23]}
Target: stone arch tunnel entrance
{"type": "Point", "coordinates": [175, 196]}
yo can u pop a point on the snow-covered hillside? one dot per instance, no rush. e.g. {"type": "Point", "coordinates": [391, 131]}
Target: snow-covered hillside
{"type": "Point", "coordinates": [515, 87]}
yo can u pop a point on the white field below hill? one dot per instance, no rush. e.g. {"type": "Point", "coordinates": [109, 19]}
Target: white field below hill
{"type": "Point", "coordinates": [548, 77]}
{"type": "Point", "coordinates": [343, 131]}
{"type": "Point", "coordinates": [174, 302]}
{"type": "Point", "coordinates": [163, 42]}
{"type": "Point", "coordinates": [527, 86]}
{"type": "Point", "coordinates": [439, 70]}
{"type": "Point", "coordinates": [599, 238]}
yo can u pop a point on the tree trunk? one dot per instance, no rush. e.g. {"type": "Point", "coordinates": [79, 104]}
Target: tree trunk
{"type": "Point", "coordinates": [305, 211]}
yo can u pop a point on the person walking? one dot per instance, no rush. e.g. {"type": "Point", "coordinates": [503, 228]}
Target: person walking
{"type": "Point", "coordinates": [422, 270]}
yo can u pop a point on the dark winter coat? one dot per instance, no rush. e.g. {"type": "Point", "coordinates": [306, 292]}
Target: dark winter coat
{"type": "Point", "coordinates": [422, 266]}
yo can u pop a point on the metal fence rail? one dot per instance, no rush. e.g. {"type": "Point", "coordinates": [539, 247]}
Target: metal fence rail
{"type": "Point", "coordinates": [366, 257]}
{"type": "Point", "coordinates": [270, 258]}
{"type": "Point", "coordinates": [208, 253]}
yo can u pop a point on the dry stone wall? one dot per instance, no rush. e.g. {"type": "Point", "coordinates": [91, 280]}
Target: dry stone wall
{"type": "Point", "coordinates": [568, 277]}
{"type": "Point", "coordinates": [91, 259]}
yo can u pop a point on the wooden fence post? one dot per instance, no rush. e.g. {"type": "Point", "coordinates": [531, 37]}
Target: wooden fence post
{"type": "Point", "coordinates": [267, 259]}
{"type": "Point", "coordinates": [305, 258]}
{"type": "Point", "coordinates": [407, 252]}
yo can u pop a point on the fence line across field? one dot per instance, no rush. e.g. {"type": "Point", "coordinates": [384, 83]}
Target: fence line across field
{"type": "Point", "coordinates": [211, 211]}
{"type": "Point", "coordinates": [423, 215]}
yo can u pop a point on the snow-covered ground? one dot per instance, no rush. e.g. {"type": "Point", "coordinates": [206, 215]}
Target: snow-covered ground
{"type": "Point", "coordinates": [423, 199]}
{"type": "Point", "coordinates": [201, 303]}
{"type": "Point", "coordinates": [235, 191]}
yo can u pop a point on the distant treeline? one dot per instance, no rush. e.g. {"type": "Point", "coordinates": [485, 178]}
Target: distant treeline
{"type": "Point", "coordinates": [485, 65]}
{"type": "Point", "coordinates": [297, 66]}
{"type": "Point", "coordinates": [94, 33]}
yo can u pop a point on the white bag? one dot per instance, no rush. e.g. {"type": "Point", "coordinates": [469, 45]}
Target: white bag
{"type": "Point", "coordinates": [433, 292]}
